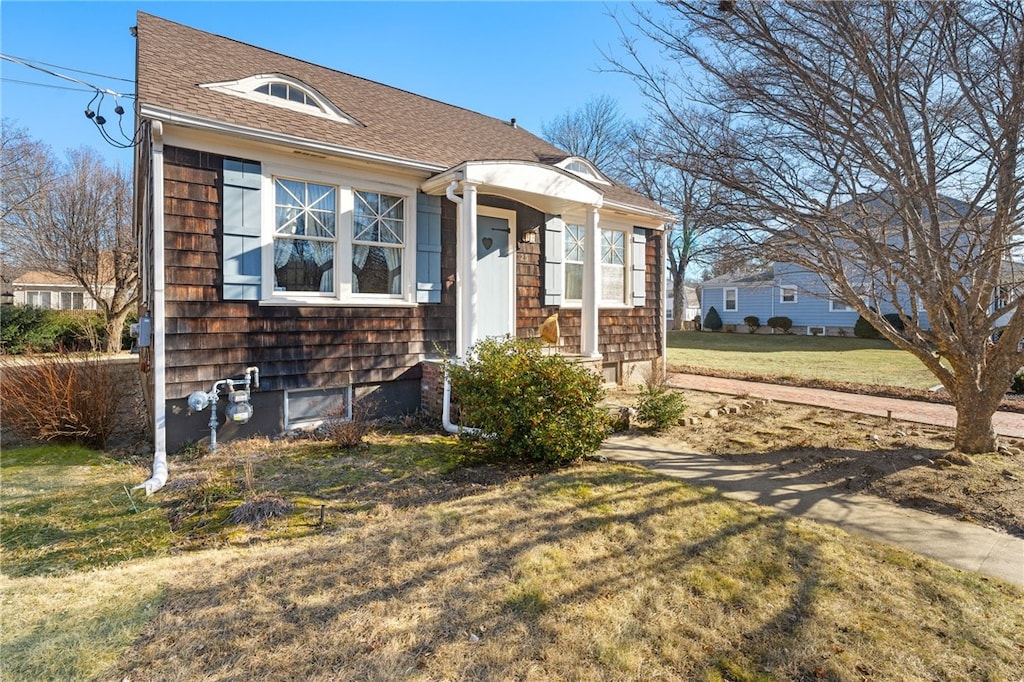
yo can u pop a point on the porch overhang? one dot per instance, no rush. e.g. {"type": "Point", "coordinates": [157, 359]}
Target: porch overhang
{"type": "Point", "coordinates": [546, 188]}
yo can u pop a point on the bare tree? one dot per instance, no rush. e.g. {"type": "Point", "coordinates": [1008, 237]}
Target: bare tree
{"type": "Point", "coordinates": [26, 173]}
{"type": "Point", "coordinates": [877, 144]}
{"type": "Point", "coordinates": [594, 131]}
{"type": "Point", "coordinates": [664, 166]}
{"type": "Point", "coordinates": [77, 224]}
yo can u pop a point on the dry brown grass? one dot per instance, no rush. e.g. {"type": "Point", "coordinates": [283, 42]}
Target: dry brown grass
{"type": "Point", "coordinates": [597, 572]}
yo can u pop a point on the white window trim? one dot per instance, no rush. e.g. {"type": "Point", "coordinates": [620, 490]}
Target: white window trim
{"type": "Point", "coordinates": [566, 301]}
{"type": "Point", "coordinates": [782, 294]}
{"type": "Point", "coordinates": [602, 303]}
{"type": "Point", "coordinates": [346, 186]}
{"type": "Point", "coordinates": [627, 253]}
{"type": "Point", "coordinates": [725, 299]}
{"type": "Point", "coordinates": [832, 306]}
{"type": "Point", "coordinates": [246, 89]}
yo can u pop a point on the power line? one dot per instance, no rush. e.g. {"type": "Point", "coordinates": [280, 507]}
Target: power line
{"type": "Point", "coordinates": [46, 85]}
{"type": "Point", "coordinates": [68, 68]}
{"type": "Point", "coordinates": [55, 74]}
{"type": "Point", "coordinates": [98, 93]}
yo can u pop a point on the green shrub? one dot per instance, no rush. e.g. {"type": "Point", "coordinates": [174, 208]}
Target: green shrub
{"type": "Point", "coordinates": [713, 320]}
{"type": "Point", "coordinates": [25, 328]}
{"type": "Point", "coordinates": [1018, 382]}
{"type": "Point", "coordinates": [531, 406]}
{"type": "Point", "coordinates": [42, 330]}
{"type": "Point", "coordinates": [659, 406]}
{"type": "Point", "coordinates": [753, 323]}
{"type": "Point", "coordinates": [895, 321]}
{"type": "Point", "coordinates": [863, 329]}
{"type": "Point", "coordinates": [780, 323]}
{"type": "Point", "coordinates": [79, 330]}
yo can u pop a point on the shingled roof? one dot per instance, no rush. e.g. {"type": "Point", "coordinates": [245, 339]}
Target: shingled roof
{"type": "Point", "coordinates": [173, 61]}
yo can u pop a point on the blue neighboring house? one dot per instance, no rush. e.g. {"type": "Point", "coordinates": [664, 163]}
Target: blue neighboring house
{"type": "Point", "coordinates": [781, 289]}
{"type": "Point", "coordinates": [785, 289]}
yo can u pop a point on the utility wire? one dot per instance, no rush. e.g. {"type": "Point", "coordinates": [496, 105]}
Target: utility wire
{"type": "Point", "coordinates": [55, 74]}
{"type": "Point", "coordinates": [98, 94]}
{"type": "Point", "coordinates": [68, 68]}
{"type": "Point", "coordinates": [46, 85]}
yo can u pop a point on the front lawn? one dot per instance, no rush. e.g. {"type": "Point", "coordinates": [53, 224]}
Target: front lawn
{"type": "Point", "coordinates": [794, 356]}
{"type": "Point", "coordinates": [429, 566]}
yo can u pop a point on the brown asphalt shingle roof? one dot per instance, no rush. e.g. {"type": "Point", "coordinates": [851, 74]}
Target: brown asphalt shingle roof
{"type": "Point", "coordinates": [174, 60]}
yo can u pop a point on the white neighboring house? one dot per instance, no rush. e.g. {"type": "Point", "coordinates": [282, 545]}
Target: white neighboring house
{"type": "Point", "coordinates": [48, 290]}
{"type": "Point", "coordinates": [691, 299]}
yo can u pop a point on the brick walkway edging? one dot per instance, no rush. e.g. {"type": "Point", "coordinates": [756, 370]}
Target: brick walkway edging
{"type": "Point", "coordinates": [937, 414]}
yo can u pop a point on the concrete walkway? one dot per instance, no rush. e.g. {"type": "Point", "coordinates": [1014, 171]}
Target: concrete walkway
{"type": "Point", "coordinates": [938, 414]}
{"type": "Point", "coordinates": [956, 543]}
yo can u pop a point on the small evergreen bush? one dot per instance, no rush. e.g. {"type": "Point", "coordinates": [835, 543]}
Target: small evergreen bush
{"type": "Point", "coordinates": [863, 329]}
{"type": "Point", "coordinates": [753, 323]}
{"type": "Point", "coordinates": [780, 323]}
{"type": "Point", "coordinates": [1018, 382]}
{"type": "Point", "coordinates": [26, 328]}
{"type": "Point", "coordinates": [531, 406]}
{"type": "Point", "coordinates": [659, 406]}
{"type": "Point", "coordinates": [895, 321]}
{"type": "Point", "coordinates": [713, 320]}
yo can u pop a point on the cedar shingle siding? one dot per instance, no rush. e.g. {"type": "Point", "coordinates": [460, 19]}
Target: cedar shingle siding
{"type": "Point", "coordinates": [294, 346]}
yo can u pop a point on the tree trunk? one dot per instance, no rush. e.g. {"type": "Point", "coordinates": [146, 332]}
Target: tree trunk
{"type": "Point", "coordinates": [678, 306]}
{"type": "Point", "coordinates": [974, 431]}
{"type": "Point", "coordinates": [115, 326]}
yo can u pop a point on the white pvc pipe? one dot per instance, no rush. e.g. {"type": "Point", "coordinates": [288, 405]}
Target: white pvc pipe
{"type": "Point", "coordinates": [446, 413]}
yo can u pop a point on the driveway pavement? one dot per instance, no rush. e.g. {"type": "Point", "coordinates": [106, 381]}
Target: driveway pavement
{"type": "Point", "coordinates": [956, 543]}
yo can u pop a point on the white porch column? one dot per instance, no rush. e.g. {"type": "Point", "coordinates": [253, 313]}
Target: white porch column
{"type": "Point", "coordinates": [466, 288]}
{"type": "Point", "coordinates": [591, 284]}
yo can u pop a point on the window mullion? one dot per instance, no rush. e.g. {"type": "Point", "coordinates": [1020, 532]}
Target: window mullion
{"type": "Point", "coordinates": [346, 226]}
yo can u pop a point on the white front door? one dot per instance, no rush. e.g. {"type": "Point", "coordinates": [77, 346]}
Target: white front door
{"type": "Point", "coordinates": [495, 253]}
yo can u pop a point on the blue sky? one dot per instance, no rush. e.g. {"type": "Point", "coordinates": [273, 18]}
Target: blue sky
{"type": "Point", "coordinates": [529, 60]}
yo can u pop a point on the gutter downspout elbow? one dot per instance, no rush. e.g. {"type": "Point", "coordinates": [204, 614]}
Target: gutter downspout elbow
{"type": "Point", "coordinates": [446, 413]}
{"type": "Point", "coordinates": [159, 477]}
{"type": "Point", "coordinates": [450, 192]}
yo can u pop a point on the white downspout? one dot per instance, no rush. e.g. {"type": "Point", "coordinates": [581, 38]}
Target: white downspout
{"type": "Point", "coordinates": [446, 413]}
{"type": "Point", "coordinates": [464, 327]}
{"type": "Point", "coordinates": [159, 477]}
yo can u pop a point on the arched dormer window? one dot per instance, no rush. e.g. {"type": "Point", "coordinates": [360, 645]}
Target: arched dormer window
{"type": "Point", "coordinates": [583, 168]}
{"type": "Point", "coordinates": [283, 91]}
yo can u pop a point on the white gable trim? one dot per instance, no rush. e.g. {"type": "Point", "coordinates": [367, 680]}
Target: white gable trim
{"type": "Point", "coordinates": [577, 165]}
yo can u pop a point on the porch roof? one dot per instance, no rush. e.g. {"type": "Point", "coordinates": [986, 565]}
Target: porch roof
{"type": "Point", "coordinates": [544, 187]}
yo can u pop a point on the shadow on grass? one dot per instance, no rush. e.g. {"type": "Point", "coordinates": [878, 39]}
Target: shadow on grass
{"type": "Point", "coordinates": [566, 570]}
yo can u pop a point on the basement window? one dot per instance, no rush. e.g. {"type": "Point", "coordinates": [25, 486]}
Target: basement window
{"type": "Point", "coordinates": [310, 407]}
